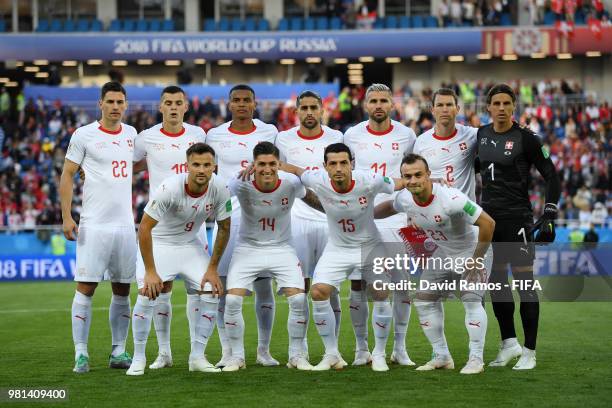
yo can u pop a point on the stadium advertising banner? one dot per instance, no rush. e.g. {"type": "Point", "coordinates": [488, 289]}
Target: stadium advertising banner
{"type": "Point", "coordinates": [264, 46]}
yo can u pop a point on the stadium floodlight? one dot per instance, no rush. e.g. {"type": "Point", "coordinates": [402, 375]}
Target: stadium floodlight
{"type": "Point", "coordinates": [355, 72]}
{"type": "Point", "coordinates": [42, 75]}
{"type": "Point", "coordinates": [199, 61]}
{"type": "Point", "coordinates": [144, 61]}
{"type": "Point", "coordinates": [31, 69]}
{"type": "Point", "coordinates": [172, 63]}
{"type": "Point", "coordinates": [225, 62]}
{"type": "Point", "coordinates": [366, 59]}
{"type": "Point", "coordinates": [486, 56]}
{"type": "Point", "coordinates": [94, 62]}
{"type": "Point", "coordinates": [509, 57]}
{"type": "Point", "coordinates": [456, 58]}
{"type": "Point", "coordinates": [3, 80]}
{"type": "Point", "coordinates": [287, 61]}
{"type": "Point", "coordinates": [393, 60]}
{"type": "Point", "coordinates": [538, 55]}
{"type": "Point", "coordinates": [564, 55]}
{"type": "Point", "coordinates": [119, 63]}
{"type": "Point", "coordinates": [69, 63]}
{"type": "Point", "coordinates": [41, 62]}
{"type": "Point", "coordinates": [355, 66]}
{"type": "Point", "coordinates": [19, 63]}
{"type": "Point", "coordinates": [419, 58]}
{"type": "Point", "coordinates": [593, 53]}
{"type": "Point", "coordinates": [340, 60]}
{"type": "Point", "coordinates": [313, 60]}
{"type": "Point", "coordinates": [11, 84]}
{"type": "Point", "coordinates": [250, 61]}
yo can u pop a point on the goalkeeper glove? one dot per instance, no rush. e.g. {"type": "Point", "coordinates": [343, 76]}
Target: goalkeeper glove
{"type": "Point", "coordinates": [544, 228]}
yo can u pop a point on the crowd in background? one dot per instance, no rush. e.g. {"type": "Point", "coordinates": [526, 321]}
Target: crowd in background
{"type": "Point", "coordinates": [34, 136]}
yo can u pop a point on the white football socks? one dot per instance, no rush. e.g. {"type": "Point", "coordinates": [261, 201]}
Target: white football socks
{"type": "Point", "coordinates": [431, 319]}
{"type": "Point", "coordinates": [381, 322]}
{"type": "Point", "coordinates": [297, 323]}
{"type": "Point", "coordinates": [476, 325]}
{"type": "Point", "coordinates": [141, 325]}
{"type": "Point", "coordinates": [162, 318]}
{"type": "Point", "coordinates": [234, 324]}
{"type": "Point", "coordinates": [401, 318]}
{"type": "Point", "coordinates": [119, 316]}
{"type": "Point", "coordinates": [226, 349]}
{"type": "Point", "coordinates": [81, 321]}
{"type": "Point", "coordinates": [324, 320]}
{"type": "Point", "coordinates": [205, 324]}
{"type": "Point", "coordinates": [264, 310]}
{"type": "Point", "coordinates": [334, 300]}
{"type": "Point", "coordinates": [359, 310]}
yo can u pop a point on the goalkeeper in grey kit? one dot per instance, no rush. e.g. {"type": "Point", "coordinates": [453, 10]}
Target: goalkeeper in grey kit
{"type": "Point", "coordinates": [506, 152]}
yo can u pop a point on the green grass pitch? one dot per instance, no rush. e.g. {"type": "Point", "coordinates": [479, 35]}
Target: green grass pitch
{"type": "Point", "coordinates": [574, 361]}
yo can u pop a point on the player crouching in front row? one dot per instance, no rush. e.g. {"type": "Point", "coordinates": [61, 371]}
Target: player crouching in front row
{"type": "Point", "coordinates": [170, 246]}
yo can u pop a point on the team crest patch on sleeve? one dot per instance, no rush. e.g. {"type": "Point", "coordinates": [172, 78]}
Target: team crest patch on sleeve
{"type": "Point", "coordinates": [545, 152]}
{"type": "Point", "coordinates": [469, 208]}
{"type": "Point", "coordinates": [228, 206]}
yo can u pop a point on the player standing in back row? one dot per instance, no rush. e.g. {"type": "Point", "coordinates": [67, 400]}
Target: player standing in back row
{"type": "Point", "coordinates": [106, 238]}
{"type": "Point", "coordinates": [233, 142]}
{"type": "Point", "coordinates": [303, 146]}
{"type": "Point", "coordinates": [506, 152]}
{"type": "Point", "coordinates": [161, 150]}
{"type": "Point", "coordinates": [379, 145]}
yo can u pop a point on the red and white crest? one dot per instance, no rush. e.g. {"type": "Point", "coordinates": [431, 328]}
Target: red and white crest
{"type": "Point", "coordinates": [394, 146]}
{"type": "Point", "coordinates": [284, 201]}
{"type": "Point", "coordinates": [437, 218]}
{"type": "Point", "coordinates": [463, 146]}
{"type": "Point", "coordinates": [509, 145]}
{"type": "Point", "coordinates": [209, 207]}
{"type": "Point", "coordinates": [363, 200]}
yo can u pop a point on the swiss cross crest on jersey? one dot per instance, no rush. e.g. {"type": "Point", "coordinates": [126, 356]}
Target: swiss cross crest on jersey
{"type": "Point", "coordinates": [284, 201]}
{"type": "Point", "coordinates": [363, 200]}
{"type": "Point", "coordinates": [394, 146]}
{"type": "Point", "coordinates": [509, 144]}
{"type": "Point", "coordinates": [209, 207]}
{"type": "Point", "coordinates": [437, 218]}
{"type": "Point", "coordinates": [462, 146]}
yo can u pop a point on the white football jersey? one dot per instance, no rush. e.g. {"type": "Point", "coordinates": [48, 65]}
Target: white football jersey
{"type": "Point", "coordinates": [350, 215]}
{"type": "Point", "coordinates": [165, 152]}
{"type": "Point", "coordinates": [234, 149]}
{"type": "Point", "coordinates": [106, 158]}
{"type": "Point", "coordinates": [451, 158]}
{"type": "Point", "coordinates": [180, 214]}
{"type": "Point", "coordinates": [381, 152]}
{"type": "Point", "coordinates": [307, 153]}
{"type": "Point", "coordinates": [447, 219]}
{"type": "Point", "coordinates": [266, 216]}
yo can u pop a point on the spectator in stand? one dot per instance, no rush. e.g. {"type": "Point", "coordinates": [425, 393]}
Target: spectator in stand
{"type": "Point", "coordinates": [599, 214]}
{"type": "Point", "coordinates": [456, 13]}
{"type": "Point", "coordinates": [443, 13]}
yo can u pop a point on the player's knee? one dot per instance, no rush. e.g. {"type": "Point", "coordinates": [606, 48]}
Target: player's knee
{"type": "Point", "coordinates": [470, 299]}
{"type": "Point", "coordinates": [233, 304]}
{"type": "Point", "coordinates": [528, 295]}
{"type": "Point", "coordinates": [120, 289]}
{"type": "Point", "coordinates": [356, 285]}
{"type": "Point", "coordinates": [319, 292]}
{"type": "Point", "coordinates": [297, 302]}
{"type": "Point", "coordinates": [87, 288]}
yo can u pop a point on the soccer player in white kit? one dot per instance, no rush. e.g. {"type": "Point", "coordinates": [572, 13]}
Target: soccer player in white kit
{"type": "Point", "coordinates": [263, 245]}
{"type": "Point", "coordinates": [348, 199]}
{"type": "Point", "coordinates": [378, 145]}
{"type": "Point", "coordinates": [106, 238]}
{"type": "Point", "coordinates": [234, 142]}
{"type": "Point", "coordinates": [170, 246]}
{"type": "Point", "coordinates": [449, 148]}
{"type": "Point", "coordinates": [161, 150]}
{"type": "Point", "coordinates": [303, 146]}
{"type": "Point", "coordinates": [444, 216]}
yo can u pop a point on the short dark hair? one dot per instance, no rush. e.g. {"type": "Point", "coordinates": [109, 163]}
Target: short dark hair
{"type": "Point", "coordinates": [308, 94]}
{"type": "Point", "coordinates": [241, 87]}
{"type": "Point", "coordinates": [413, 158]}
{"type": "Point", "coordinates": [172, 89]}
{"type": "Point", "coordinates": [112, 86]}
{"type": "Point", "coordinates": [443, 91]}
{"type": "Point", "coordinates": [500, 88]}
{"type": "Point", "coordinates": [200, 148]}
{"type": "Point", "coordinates": [265, 148]}
{"type": "Point", "coordinates": [337, 148]}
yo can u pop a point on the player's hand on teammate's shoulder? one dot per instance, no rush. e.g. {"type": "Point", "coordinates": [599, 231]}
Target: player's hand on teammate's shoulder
{"type": "Point", "coordinates": [212, 276]}
{"type": "Point", "coordinates": [152, 285]}
{"type": "Point", "coordinates": [70, 229]}
{"type": "Point", "coordinates": [245, 174]}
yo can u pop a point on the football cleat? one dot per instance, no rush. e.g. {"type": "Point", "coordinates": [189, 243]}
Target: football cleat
{"type": "Point", "coordinates": [506, 354]}
{"type": "Point", "coordinates": [265, 359]}
{"type": "Point", "coordinates": [401, 357]}
{"type": "Point", "coordinates": [527, 360]}
{"type": "Point", "coordinates": [225, 358]}
{"type": "Point", "coordinates": [201, 364]}
{"type": "Point", "coordinates": [137, 367]}
{"type": "Point", "coordinates": [330, 361]}
{"type": "Point", "coordinates": [81, 364]}
{"type": "Point", "coordinates": [438, 361]}
{"type": "Point", "coordinates": [475, 365]}
{"type": "Point", "coordinates": [299, 362]}
{"type": "Point", "coordinates": [123, 360]}
{"type": "Point", "coordinates": [162, 360]}
{"type": "Point", "coordinates": [379, 362]}
{"type": "Point", "coordinates": [362, 357]}
{"type": "Point", "coordinates": [234, 364]}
